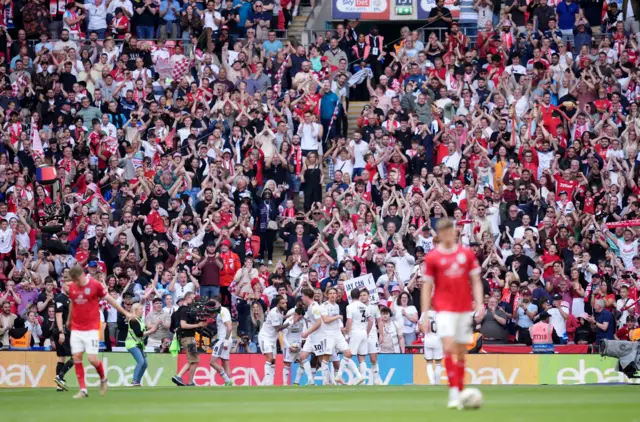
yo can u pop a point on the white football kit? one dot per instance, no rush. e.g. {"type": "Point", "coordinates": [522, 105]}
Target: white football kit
{"type": "Point", "coordinates": [431, 341]}
{"type": "Point", "coordinates": [290, 335]}
{"type": "Point", "coordinates": [359, 315]}
{"type": "Point", "coordinates": [335, 341]}
{"type": "Point", "coordinates": [268, 336]}
{"type": "Point", "coordinates": [219, 349]}
{"type": "Point", "coordinates": [373, 345]}
{"type": "Point", "coordinates": [315, 343]}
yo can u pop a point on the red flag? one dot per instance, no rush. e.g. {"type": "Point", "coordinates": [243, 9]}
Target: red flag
{"type": "Point", "coordinates": [181, 67]}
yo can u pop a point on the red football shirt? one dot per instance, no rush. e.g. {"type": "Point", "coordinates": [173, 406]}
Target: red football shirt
{"type": "Point", "coordinates": [568, 186]}
{"type": "Point", "coordinates": [451, 271]}
{"type": "Point", "coordinates": [85, 313]}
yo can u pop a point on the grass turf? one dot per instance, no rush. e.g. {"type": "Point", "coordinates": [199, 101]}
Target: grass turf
{"type": "Point", "coordinates": [326, 404]}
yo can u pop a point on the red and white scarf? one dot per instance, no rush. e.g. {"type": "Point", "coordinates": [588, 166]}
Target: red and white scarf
{"type": "Point", "coordinates": [57, 8]}
{"type": "Point", "coordinates": [297, 150]}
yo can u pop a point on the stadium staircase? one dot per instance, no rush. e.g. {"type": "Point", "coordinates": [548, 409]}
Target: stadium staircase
{"type": "Point", "coordinates": [298, 23]}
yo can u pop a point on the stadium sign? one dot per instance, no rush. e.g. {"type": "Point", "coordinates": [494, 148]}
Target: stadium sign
{"type": "Point", "coordinates": [361, 9]}
{"type": "Point", "coordinates": [362, 282]}
{"type": "Point", "coordinates": [580, 369]}
{"type": "Point", "coordinates": [119, 367]}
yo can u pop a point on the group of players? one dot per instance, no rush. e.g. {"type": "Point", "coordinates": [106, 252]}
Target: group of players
{"type": "Point", "coordinates": [452, 287]}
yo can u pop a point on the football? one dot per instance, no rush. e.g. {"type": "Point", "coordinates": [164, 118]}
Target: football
{"type": "Point", "coordinates": [294, 347]}
{"type": "Point", "coordinates": [471, 398]}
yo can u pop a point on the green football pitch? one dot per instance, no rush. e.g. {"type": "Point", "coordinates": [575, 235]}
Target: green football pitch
{"type": "Point", "coordinates": [326, 404]}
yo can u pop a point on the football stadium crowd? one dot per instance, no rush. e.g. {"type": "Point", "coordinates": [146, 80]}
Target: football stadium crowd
{"type": "Point", "coordinates": [173, 147]}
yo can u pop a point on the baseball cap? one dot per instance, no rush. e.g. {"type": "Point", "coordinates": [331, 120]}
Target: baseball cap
{"type": "Point", "coordinates": [333, 267]}
{"type": "Point", "coordinates": [382, 250]}
{"type": "Point", "coordinates": [395, 289]}
{"type": "Point", "coordinates": [93, 263]}
{"type": "Point", "coordinates": [226, 243]}
{"type": "Point", "coordinates": [556, 297]}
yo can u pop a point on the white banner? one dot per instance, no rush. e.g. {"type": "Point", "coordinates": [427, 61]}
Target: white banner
{"type": "Point", "coordinates": [362, 282]}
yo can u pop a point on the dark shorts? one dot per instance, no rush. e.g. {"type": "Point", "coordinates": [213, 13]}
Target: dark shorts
{"type": "Point", "coordinates": [63, 350]}
{"type": "Point", "coordinates": [189, 345]}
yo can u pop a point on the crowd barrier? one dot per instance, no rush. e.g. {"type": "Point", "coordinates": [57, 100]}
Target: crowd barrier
{"type": "Point", "coordinates": [23, 369]}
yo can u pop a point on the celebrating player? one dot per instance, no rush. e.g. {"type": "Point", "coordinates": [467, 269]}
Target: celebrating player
{"type": "Point", "coordinates": [359, 323]}
{"type": "Point", "coordinates": [222, 345]}
{"type": "Point", "coordinates": [373, 341]}
{"type": "Point", "coordinates": [432, 348]}
{"type": "Point", "coordinates": [314, 342]}
{"type": "Point", "coordinates": [452, 274]}
{"type": "Point", "coordinates": [292, 338]}
{"type": "Point", "coordinates": [268, 337]}
{"type": "Point", "coordinates": [84, 313]}
{"type": "Point", "coordinates": [331, 329]}
{"type": "Point", "coordinates": [62, 337]}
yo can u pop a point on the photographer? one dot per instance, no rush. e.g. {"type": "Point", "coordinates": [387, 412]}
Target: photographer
{"type": "Point", "coordinates": [135, 343]}
{"type": "Point", "coordinates": [187, 332]}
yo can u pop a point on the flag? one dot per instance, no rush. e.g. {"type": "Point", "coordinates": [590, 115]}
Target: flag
{"type": "Point", "coordinates": [333, 119]}
{"type": "Point", "coordinates": [111, 144]}
{"type": "Point", "coordinates": [181, 68]}
{"type": "Point", "coordinates": [279, 75]}
{"type": "Point", "coordinates": [168, 140]}
{"type": "Point", "coordinates": [36, 142]}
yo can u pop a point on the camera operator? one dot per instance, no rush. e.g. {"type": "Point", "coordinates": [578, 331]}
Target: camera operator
{"type": "Point", "coordinates": [187, 332]}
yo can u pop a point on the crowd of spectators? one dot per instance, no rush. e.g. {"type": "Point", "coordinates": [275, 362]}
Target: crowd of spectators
{"type": "Point", "coordinates": [224, 164]}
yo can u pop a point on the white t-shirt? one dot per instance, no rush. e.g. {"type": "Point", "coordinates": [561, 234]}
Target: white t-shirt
{"type": "Point", "coordinates": [309, 134]}
{"type": "Point", "coordinates": [223, 317]}
{"type": "Point", "coordinates": [431, 339]}
{"type": "Point", "coordinates": [181, 290]}
{"type": "Point", "coordinates": [559, 323]}
{"type": "Point", "coordinates": [293, 332]}
{"type": "Point", "coordinates": [359, 151]}
{"type": "Point", "coordinates": [313, 314]}
{"type": "Point", "coordinates": [374, 312]}
{"type": "Point", "coordinates": [97, 16]}
{"type": "Point", "coordinates": [359, 315]}
{"type": "Point", "coordinates": [331, 329]}
{"type": "Point", "coordinates": [209, 19]}
{"type": "Point", "coordinates": [407, 326]}
{"type": "Point", "coordinates": [273, 319]}
{"type": "Point", "coordinates": [620, 305]}
{"type": "Point", "coordinates": [519, 231]}
{"type": "Point", "coordinates": [6, 240]}
{"type": "Point", "coordinates": [627, 252]}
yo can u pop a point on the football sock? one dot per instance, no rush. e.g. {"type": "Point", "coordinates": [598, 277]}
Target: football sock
{"type": "Point", "coordinates": [451, 371]}
{"type": "Point", "coordinates": [65, 368]}
{"type": "Point", "coordinates": [325, 372]}
{"type": "Point", "coordinates": [332, 373]}
{"type": "Point", "coordinates": [224, 375]}
{"type": "Point", "coordinates": [363, 368]}
{"type": "Point", "coordinates": [267, 373]}
{"type": "Point", "coordinates": [438, 373]}
{"type": "Point", "coordinates": [299, 373]}
{"type": "Point", "coordinates": [431, 374]}
{"type": "Point", "coordinates": [376, 371]}
{"type": "Point", "coordinates": [341, 369]}
{"type": "Point", "coordinates": [353, 368]}
{"type": "Point", "coordinates": [307, 370]}
{"type": "Point", "coordinates": [460, 374]}
{"type": "Point", "coordinates": [80, 374]}
{"type": "Point", "coordinates": [59, 367]}
{"type": "Point", "coordinates": [285, 375]}
{"type": "Point", "coordinates": [100, 370]}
